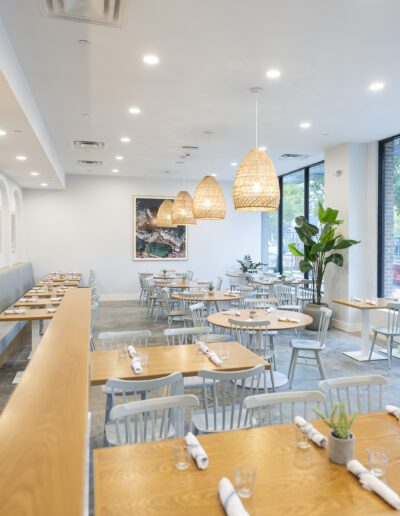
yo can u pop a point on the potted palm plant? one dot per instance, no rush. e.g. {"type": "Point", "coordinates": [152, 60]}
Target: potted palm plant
{"type": "Point", "coordinates": [341, 441]}
{"type": "Point", "coordinates": [322, 246]}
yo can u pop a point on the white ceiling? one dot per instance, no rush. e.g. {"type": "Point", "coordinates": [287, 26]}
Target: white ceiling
{"type": "Point", "coordinates": [211, 52]}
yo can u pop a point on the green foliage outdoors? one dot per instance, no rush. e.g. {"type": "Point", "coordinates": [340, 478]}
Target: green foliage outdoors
{"type": "Point", "coordinates": [248, 264]}
{"type": "Point", "coordinates": [322, 246]}
{"type": "Point", "coordinates": [340, 422]}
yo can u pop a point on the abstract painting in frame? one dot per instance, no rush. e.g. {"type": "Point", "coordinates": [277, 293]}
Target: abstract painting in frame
{"type": "Point", "coordinates": [151, 242]}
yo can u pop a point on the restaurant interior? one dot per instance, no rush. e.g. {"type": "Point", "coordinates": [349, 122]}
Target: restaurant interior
{"type": "Point", "coordinates": [199, 257]}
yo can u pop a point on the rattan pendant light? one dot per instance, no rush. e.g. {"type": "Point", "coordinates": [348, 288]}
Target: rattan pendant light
{"type": "Point", "coordinates": [209, 200]}
{"type": "Point", "coordinates": [182, 211]}
{"type": "Point", "coordinates": [256, 186]}
{"type": "Point", "coordinates": [164, 215]}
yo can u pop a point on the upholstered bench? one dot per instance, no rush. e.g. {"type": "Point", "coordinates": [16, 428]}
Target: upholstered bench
{"type": "Point", "coordinates": [14, 282]}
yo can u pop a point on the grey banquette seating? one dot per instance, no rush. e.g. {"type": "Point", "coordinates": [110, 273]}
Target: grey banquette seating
{"type": "Point", "coordinates": [14, 282]}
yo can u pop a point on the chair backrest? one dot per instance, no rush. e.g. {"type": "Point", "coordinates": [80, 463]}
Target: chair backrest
{"type": "Point", "coordinates": [393, 317]}
{"type": "Point", "coordinates": [123, 339]}
{"type": "Point", "coordinates": [153, 419]}
{"type": "Point", "coordinates": [148, 283]}
{"type": "Point", "coordinates": [204, 284]}
{"type": "Point", "coordinates": [189, 275]}
{"type": "Point", "coordinates": [227, 412]}
{"type": "Point", "coordinates": [282, 407]}
{"type": "Point", "coordinates": [218, 283]}
{"type": "Point", "coordinates": [163, 295]}
{"type": "Point", "coordinates": [324, 322]}
{"type": "Point", "coordinates": [285, 294]}
{"type": "Point", "coordinates": [94, 308]}
{"type": "Point", "coordinates": [360, 393]}
{"type": "Point", "coordinates": [251, 334]}
{"type": "Point", "coordinates": [197, 313]}
{"type": "Point", "coordinates": [177, 336]}
{"type": "Point", "coordinates": [258, 302]}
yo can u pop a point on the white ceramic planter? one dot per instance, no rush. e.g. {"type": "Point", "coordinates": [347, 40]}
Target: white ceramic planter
{"type": "Point", "coordinates": [340, 451]}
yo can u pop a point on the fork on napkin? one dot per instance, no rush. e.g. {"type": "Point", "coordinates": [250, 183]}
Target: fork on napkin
{"type": "Point", "coordinates": [372, 483]}
{"type": "Point", "coordinates": [230, 500]}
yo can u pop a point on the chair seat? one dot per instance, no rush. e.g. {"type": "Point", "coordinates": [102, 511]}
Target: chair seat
{"type": "Point", "coordinates": [386, 331]}
{"type": "Point", "coordinates": [111, 434]}
{"type": "Point", "coordinates": [306, 344]}
{"type": "Point", "coordinates": [176, 313]}
{"type": "Point", "coordinates": [217, 337]}
{"type": "Point", "coordinates": [199, 421]}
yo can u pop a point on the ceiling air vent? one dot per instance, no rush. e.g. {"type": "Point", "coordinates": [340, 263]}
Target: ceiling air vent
{"type": "Point", "coordinates": [189, 147]}
{"type": "Point", "coordinates": [293, 156]}
{"type": "Point", "coordinates": [87, 145]}
{"type": "Point", "coordinates": [103, 12]}
{"type": "Point", "coordinates": [89, 163]}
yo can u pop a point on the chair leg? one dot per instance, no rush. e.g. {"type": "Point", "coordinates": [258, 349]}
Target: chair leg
{"type": "Point", "coordinates": [389, 351]}
{"type": "Point", "coordinates": [295, 355]}
{"type": "Point", "coordinates": [291, 363]}
{"type": "Point", "coordinates": [271, 373]}
{"type": "Point", "coordinates": [372, 346]}
{"type": "Point", "coordinates": [320, 366]}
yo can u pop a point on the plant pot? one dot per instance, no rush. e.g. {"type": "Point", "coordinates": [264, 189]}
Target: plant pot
{"type": "Point", "coordinates": [314, 311]}
{"type": "Point", "coordinates": [211, 292]}
{"type": "Point", "coordinates": [340, 451]}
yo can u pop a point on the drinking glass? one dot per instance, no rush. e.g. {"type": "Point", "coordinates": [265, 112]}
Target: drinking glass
{"type": "Point", "coordinates": [144, 357]}
{"type": "Point", "coordinates": [122, 351]}
{"type": "Point", "coordinates": [181, 456]}
{"type": "Point", "coordinates": [224, 351]}
{"type": "Point", "coordinates": [378, 459]}
{"type": "Point", "coordinates": [302, 439]}
{"type": "Point", "coordinates": [245, 477]}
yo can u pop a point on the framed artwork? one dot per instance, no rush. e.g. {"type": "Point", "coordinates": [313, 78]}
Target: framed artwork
{"type": "Point", "coordinates": [151, 242]}
{"type": "Point", "coordinates": [1, 229]}
{"type": "Point", "coordinates": [13, 233]}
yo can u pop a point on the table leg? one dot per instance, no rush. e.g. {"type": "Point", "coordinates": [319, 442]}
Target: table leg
{"type": "Point", "coordinates": [363, 354]}
{"type": "Point", "coordinates": [35, 335]}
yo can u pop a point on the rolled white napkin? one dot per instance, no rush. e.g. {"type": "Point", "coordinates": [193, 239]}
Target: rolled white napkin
{"type": "Point", "coordinates": [357, 299]}
{"type": "Point", "coordinates": [293, 320]}
{"type": "Point", "coordinates": [269, 310]}
{"type": "Point", "coordinates": [137, 365]}
{"type": "Point", "coordinates": [197, 451]}
{"type": "Point", "coordinates": [214, 358]}
{"type": "Point", "coordinates": [313, 434]}
{"type": "Point", "coordinates": [52, 310]}
{"type": "Point", "coordinates": [204, 349]}
{"type": "Point", "coordinates": [393, 410]}
{"type": "Point", "coordinates": [372, 483]}
{"type": "Point", "coordinates": [371, 302]}
{"type": "Point", "coordinates": [132, 351]}
{"type": "Point", "coordinates": [237, 313]}
{"type": "Point", "coordinates": [230, 500]}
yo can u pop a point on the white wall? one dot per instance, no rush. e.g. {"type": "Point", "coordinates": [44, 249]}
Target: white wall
{"type": "Point", "coordinates": [89, 225]}
{"type": "Point", "coordinates": [10, 202]}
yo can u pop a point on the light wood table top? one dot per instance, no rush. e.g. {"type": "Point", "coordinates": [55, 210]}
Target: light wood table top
{"type": "Point", "coordinates": [222, 318]}
{"type": "Point", "coordinates": [175, 284]}
{"type": "Point", "coordinates": [219, 295]}
{"type": "Point", "coordinates": [164, 360]}
{"type": "Point", "coordinates": [142, 479]}
{"type": "Point", "coordinates": [47, 293]}
{"type": "Point", "coordinates": [362, 305]}
{"type": "Point", "coordinates": [33, 314]}
{"type": "Point", "coordinates": [43, 301]}
{"type": "Point", "coordinates": [43, 426]}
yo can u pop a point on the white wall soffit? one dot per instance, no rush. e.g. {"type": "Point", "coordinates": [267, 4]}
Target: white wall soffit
{"type": "Point", "coordinates": [17, 81]}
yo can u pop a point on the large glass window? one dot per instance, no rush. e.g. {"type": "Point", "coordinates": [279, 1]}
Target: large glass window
{"type": "Point", "coordinates": [389, 218]}
{"type": "Point", "coordinates": [301, 191]}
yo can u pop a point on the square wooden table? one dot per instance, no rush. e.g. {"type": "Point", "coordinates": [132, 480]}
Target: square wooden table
{"type": "Point", "coordinates": [363, 354]}
{"type": "Point", "coordinates": [141, 479]}
{"type": "Point", "coordinates": [36, 316]}
{"type": "Point", "coordinates": [164, 360]}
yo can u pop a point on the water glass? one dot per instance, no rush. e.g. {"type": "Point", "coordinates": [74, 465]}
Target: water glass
{"type": "Point", "coordinates": [144, 357]}
{"type": "Point", "coordinates": [302, 439]}
{"type": "Point", "coordinates": [245, 477]}
{"type": "Point", "coordinates": [224, 351]}
{"type": "Point", "coordinates": [378, 459]}
{"type": "Point", "coordinates": [122, 351]}
{"type": "Point", "coordinates": [181, 456]}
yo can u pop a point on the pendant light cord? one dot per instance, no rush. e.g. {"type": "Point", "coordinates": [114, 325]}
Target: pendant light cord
{"type": "Point", "coordinates": [257, 120]}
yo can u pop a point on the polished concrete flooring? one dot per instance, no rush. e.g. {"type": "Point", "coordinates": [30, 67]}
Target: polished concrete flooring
{"type": "Point", "coordinates": [128, 315]}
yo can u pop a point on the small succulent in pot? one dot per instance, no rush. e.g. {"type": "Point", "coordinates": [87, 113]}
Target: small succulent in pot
{"type": "Point", "coordinates": [253, 314]}
{"type": "Point", "coordinates": [211, 289]}
{"type": "Point", "coordinates": [341, 442]}
{"type": "Point", "coordinates": [164, 271]}
{"type": "Point", "coordinates": [184, 277]}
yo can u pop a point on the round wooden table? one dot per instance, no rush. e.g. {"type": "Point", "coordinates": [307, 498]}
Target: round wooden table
{"type": "Point", "coordinates": [182, 284]}
{"type": "Point", "coordinates": [221, 319]}
{"type": "Point", "coordinates": [206, 297]}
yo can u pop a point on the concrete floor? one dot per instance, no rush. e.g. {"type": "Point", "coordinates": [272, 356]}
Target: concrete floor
{"type": "Point", "coordinates": [127, 315]}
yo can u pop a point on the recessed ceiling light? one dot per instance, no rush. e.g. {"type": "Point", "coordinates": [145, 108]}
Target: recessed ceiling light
{"type": "Point", "coordinates": [262, 148]}
{"type": "Point", "coordinates": [273, 74]}
{"type": "Point", "coordinates": [151, 60]}
{"type": "Point", "coordinates": [115, 170]}
{"type": "Point", "coordinates": [305, 125]}
{"type": "Point", "coordinates": [21, 158]}
{"type": "Point", "coordinates": [134, 110]}
{"type": "Point", "coordinates": [125, 139]}
{"type": "Point", "coordinates": [233, 164]}
{"type": "Point", "coordinates": [86, 115]}
{"type": "Point", "coordinates": [2, 133]}
{"type": "Point", "coordinates": [44, 184]}
{"type": "Point", "coordinates": [376, 86]}
{"type": "Point", "coordinates": [83, 41]}
{"type": "Point", "coordinates": [119, 158]}
{"type": "Point", "coordinates": [213, 175]}
{"type": "Point", "coordinates": [34, 173]}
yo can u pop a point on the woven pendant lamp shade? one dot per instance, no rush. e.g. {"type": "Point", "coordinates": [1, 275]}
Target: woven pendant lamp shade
{"type": "Point", "coordinates": [209, 200]}
{"type": "Point", "coordinates": [256, 186]}
{"type": "Point", "coordinates": [182, 211]}
{"type": "Point", "coordinates": [164, 215]}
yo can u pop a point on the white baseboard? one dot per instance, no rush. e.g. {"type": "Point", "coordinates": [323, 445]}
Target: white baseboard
{"type": "Point", "coordinates": [119, 297]}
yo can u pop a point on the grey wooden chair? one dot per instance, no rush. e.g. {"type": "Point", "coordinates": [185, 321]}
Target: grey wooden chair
{"type": "Point", "coordinates": [123, 339]}
{"type": "Point", "coordinates": [198, 314]}
{"type": "Point", "coordinates": [390, 331]}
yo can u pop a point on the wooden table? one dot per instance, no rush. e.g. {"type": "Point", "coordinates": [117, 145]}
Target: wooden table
{"type": "Point", "coordinates": [363, 354]}
{"type": "Point", "coordinates": [183, 284]}
{"type": "Point", "coordinates": [206, 297]}
{"type": "Point", "coordinates": [48, 293]}
{"type": "Point", "coordinates": [141, 479]}
{"type": "Point", "coordinates": [221, 319]}
{"type": "Point", "coordinates": [43, 427]}
{"type": "Point", "coordinates": [43, 301]}
{"type": "Point", "coordinates": [164, 360]}
{"type": "Point", "coordinates": [34, 315]}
